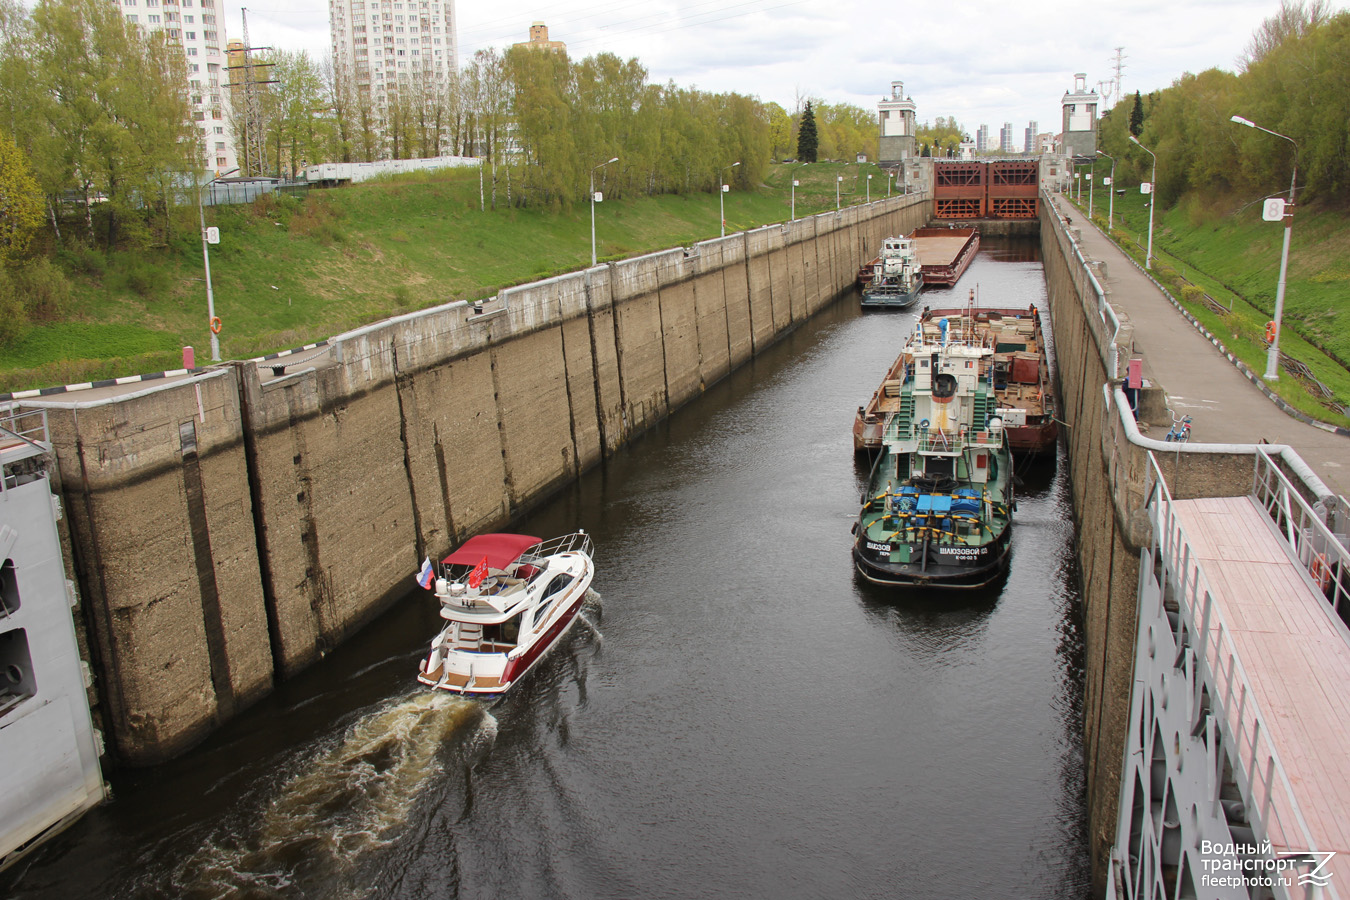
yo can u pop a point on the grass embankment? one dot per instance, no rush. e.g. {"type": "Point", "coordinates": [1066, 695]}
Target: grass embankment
{"type": "Point", "coordinates": [1234, 257]}
{"type": "Point", "coordinates": [289, 271]}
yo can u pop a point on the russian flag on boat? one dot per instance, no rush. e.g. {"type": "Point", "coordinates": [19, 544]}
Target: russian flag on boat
{"type": "Point", "coordinates": [425, 576]}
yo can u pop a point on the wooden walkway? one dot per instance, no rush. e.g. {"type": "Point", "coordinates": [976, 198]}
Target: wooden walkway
{"type": "Point", "coordinates": [1295, 654]}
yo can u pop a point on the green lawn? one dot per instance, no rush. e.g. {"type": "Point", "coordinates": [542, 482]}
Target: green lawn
{"type": "Point", "coordinates": [292, 271]}
{"type": "Point", "coordinates": [1234, 256]}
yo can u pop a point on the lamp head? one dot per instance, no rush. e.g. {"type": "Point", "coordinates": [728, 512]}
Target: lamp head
{"type": "Point", "coordinates": [614, 160]}
{"type": "Point", "coordinates": [1135, 140]}
{"type": "Point", "coordinates": [1242, 121]}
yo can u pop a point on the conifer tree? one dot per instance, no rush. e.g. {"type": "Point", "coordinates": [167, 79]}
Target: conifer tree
{"type": "Point", "coordinates": [1137, 116]}
{"type": "Point", "coordinates": [807, 139]}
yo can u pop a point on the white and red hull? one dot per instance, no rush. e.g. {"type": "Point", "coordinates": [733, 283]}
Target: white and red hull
{"type": "Point", "coordinates": [495, 634]}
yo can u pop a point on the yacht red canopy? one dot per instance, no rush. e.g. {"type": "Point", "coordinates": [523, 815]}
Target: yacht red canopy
{"type": "Point", "coordinates": [500, 550]}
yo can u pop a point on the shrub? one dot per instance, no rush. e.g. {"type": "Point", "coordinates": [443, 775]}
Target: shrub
{"type": "Point", "coordinates": [43, 288]}
{"type": "Point", "coordinates": [83, 260]}
{"type": "Point", "coordinates": [1192, 294]}
{"type": "Point", "coordinates": [140, 277]}
{"type": "Point", "coordinates": [13, 316]}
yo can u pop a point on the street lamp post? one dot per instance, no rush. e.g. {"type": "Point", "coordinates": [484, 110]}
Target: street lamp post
{"type": "Point", "coordinates": [795, 183]}
{"type": "Point", "coordinates": [869, 187]}
{"type": "Point", "coordinates": [593, 171]}
{"type": "Point", "coordinates": [837, 181]}
{"type": "Point", "coordinates": [1077, 185]}
{"type": "Point", "coordinates": [1111, 185]}
{"type": "Point", "coordinates": [1091, 191]}
{"type": "Point", "coordinates": [1273, 354]}
{"type": "Point", "coordinates": [1152, 200]}
{"type": "Point", "coordinates": [206, 263]}
{"type": "Point", "coordinates": [721, 204]}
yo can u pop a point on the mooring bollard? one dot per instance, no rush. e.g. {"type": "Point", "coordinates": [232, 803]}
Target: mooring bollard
{"type": "Point", "coordinates": [189, 360]}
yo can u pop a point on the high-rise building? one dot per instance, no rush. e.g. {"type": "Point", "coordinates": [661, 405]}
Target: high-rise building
{"type": "Point", "coordinates": [982, 139]}
{"type": "Point", "coordinates": [1033, 133]}
{"type": "Point", "coordinates": [1005, 138]}
{"type": "Point", "coordinates": [198, 26]}
{"type": "Point", "coordinates": [384, 47]}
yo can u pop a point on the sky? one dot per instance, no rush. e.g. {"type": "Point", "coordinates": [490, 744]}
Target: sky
{"type": "Point", "coordinates": [980, 61]}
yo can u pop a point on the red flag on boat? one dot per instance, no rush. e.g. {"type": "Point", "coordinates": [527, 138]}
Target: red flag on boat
{"type": "Point", "coordinates": [479, 573]}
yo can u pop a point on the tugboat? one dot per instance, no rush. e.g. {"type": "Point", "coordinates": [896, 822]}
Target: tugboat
{"type": "Point", "coordinates": [896, 278]}
{"type": "Point", "coordinates": [507, 599]}
{"type": "Point", "coordinates": [938, 508]}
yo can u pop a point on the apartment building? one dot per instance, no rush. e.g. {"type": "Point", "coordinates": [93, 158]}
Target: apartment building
{"type": "Point", "coordinates": [198, 26]}
{"type": "Point", "coordinates": [384, 47]}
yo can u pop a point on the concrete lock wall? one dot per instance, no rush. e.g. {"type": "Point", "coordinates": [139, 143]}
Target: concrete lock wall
{"type": "Point", "coordinates": [162, 533]}
{"type": "Point", "coordinates": [230, 532]}
{"type": "Point", "coordinates": [1109, 471]}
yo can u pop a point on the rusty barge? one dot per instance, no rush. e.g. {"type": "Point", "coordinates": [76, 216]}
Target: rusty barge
{"type": "Point", "coordinates": [945, 253]}
{"type": "Point", "coordinates": [1019, 370]}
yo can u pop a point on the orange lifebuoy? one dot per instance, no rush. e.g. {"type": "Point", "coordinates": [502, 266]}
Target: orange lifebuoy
{"type": "Point", "coordinates": [1321, 571]}
{"type": "Point", "coordinates": [215, 324]}
{"type": "Point", "coordinates": [1270, 332]}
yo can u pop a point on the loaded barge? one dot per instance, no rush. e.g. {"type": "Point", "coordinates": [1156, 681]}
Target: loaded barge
{"type": "Point", "coordinates": [1020, 373]}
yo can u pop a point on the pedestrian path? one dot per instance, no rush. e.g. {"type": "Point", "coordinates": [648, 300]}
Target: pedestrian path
{"type": "Point", "coordinates": [1225, 407]}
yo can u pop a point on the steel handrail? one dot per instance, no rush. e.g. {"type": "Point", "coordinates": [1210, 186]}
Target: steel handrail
{"type": "Point", "coordinates": [576, 542]}
{"type": "Point", "coordinates": [1104, 309]}
{"type": "Point", "coordinates": [18, 424]}
{"type": "Point", "coordinates": [1316, 547]}
{"type": "Point", "coordinates": [1173, 546]}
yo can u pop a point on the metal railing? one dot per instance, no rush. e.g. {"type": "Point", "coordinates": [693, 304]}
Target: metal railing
{"type": "Point", "coordinates": [934, 440]}
{"type": "Point", "coordinates": [22, 432]}
{"type": "Point", "coordinates": [577, 542]}
{"type": "Point", "coordinates": [1272, 808]}
{"type": "Point", "coordinates": [1104, 310]}
{"type": "Point", "coordinates": [1325, 558]}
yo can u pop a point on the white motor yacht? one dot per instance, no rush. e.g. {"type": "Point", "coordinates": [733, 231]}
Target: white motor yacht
{"type": "Point", "coordinates": [507, 600]}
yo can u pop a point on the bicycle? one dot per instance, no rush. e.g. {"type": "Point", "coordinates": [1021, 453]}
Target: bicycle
{"type": "Point", "coordinates": [1181, 429]}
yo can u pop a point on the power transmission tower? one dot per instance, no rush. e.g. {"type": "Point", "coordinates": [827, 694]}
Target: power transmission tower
{"type": "Point", "coordinates": [1110, 90]}
{"type": "Point", "coordinates": [1116, 79]}
{"type": "Point", "coordinates": [254, 157]}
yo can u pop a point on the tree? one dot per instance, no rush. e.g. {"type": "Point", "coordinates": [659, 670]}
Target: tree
{"type": "Point", "coordinates": [337, 93]}
{"type": "Point", "coordinates": [1294, 20]}
{"type": "Point", "coordinates": [944, 132]}
{"type": "Point", "coordinates": [1137, 115]}
{"type": "Point", "coordinates": [20, 201]}
{"type": "Point", "coordinates": [807, 140]}
{"type": "Point", "coordinates": [780, 132]}
{"type": "Point", "coordinates": [113, 109]}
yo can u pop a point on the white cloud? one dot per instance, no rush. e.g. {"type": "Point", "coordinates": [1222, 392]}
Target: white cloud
{"type": "Point", "coordinates": [980, 61]}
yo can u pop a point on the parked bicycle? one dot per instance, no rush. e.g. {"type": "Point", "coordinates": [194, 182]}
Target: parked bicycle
{"type": "Point", "coordinates": [1181, 429]}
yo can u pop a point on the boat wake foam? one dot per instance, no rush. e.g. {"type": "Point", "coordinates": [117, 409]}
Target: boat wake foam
{"type": "Point", "coordinates": [349, 797]}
